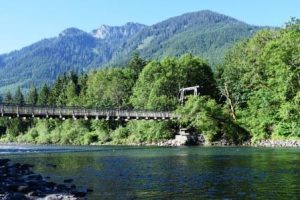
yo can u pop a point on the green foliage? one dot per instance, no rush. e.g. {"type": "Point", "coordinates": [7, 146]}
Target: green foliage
{"type": "Point", "coordinates": [109, 88]}
{"type": "Point", "coordinates": [43, 98]}
{"type": "Point", "coordinates": [71, 94]}
{"type": "Point", "coordinates": [72, 132]}
{"type": "Point", "coordinates": [150, 131]}
{"type": "Point", "coordinates": [159, 82]}
{"type": "Point", "coordinates": [8, 98]}
{"type": "Point", "coordinates": [260, 80]}
{"type": "Point", "coordinates": [120, 135]}
{"type": "Point", "coordinates": [136, 65]}
{"type": "Point", "coordinates": [209, 118]}
{"type": "Point", "coordinates": [19, 97]}
{"type": "Point", "coordinates": [101, 130]}
{"type": "Point", "coordinates": [3, 126]}
{"type": "Point", "coordinates": [13, 128]}
{"type": "Point", "coordinates": [137, 132]}
{"type": "Point", "coordinates": [32, 96]}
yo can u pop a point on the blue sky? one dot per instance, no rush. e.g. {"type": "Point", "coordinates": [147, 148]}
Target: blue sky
{"type": "Point", "coordinates": [23, 22]}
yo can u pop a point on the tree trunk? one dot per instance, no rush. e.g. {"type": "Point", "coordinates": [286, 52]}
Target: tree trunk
{"type": "Point", "coordinates": [229, 101]}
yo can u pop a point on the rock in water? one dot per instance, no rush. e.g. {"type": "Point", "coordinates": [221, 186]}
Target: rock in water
{"type": "Point", "coordinates": [19, 182]}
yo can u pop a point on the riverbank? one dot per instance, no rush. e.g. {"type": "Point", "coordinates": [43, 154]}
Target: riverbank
{"type": "Point", "coordinates": [18, 181]}
{"type": "Point", "coordinates": [277, 143]}
{"type": "Point", "coordinates": [263, 143]}
{"type": "Point", "coordinates": [200, 141]}
{"type": "Point", "coordinates": [187, 141]}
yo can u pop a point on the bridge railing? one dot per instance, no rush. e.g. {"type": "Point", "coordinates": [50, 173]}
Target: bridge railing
{"type": "Point", "coordinates": [29, 110]}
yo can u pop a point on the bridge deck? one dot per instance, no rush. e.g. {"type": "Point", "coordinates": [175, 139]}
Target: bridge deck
{"type": "Point", "coordinates": [76, 112]}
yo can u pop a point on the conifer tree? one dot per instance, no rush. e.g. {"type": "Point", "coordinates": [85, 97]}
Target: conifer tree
{"type": "Point", "coordinates": [136, 64]}
{"type": "Point", "coordinates": [32, 96]}
{"type": "Point", "coordinates": [8, 98]}
{"type": "Point", "coordinates": [71, 94]}
{"type": "Point", "coordinates": [19, 97]}
{"type": "Point", "coordinates": [43, 97]}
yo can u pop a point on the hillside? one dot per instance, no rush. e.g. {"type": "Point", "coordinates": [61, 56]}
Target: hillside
{"type": "Point", "coordinates": [202, 33]}
{"type": "Point", "coordinates": [73, 49]}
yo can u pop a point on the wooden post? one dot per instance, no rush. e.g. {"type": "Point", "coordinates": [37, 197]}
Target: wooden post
{"type": "Point", "coordinates": [18, 111]}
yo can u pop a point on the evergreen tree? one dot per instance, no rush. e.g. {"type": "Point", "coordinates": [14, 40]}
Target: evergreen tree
{"type": "Point", "coordinates": [73, 77]}
{"type": "Point", "coordinates": [19, 97]}
{"type": "Point", "coordinates": [8, 98]}
{"type": "Point", "coordinates": [57, 90]}
{"type": "Point", "coordinates": [82, 88]}
{"type": "Point", "coordinates": [70, 93]}
{"type": "Point", "coordinates": [43, 95]}
{"type": "Point", "coordinates": [32, 96]}
{"type": "Point", "coordinates": [136, 64]}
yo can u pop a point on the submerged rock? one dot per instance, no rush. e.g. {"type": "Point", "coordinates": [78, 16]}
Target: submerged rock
{"type": "Point", "coordinates": [19, 182]}
{"type": "Point", "coordinates": [68, 180]}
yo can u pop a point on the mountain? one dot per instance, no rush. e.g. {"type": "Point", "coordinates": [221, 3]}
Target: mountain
{"type": "Point", "coordinates": [112, 33]}
{"type": "Point", "coordinates": [73, 49]}
{"type": "Point", "coordinates": [204, 33]}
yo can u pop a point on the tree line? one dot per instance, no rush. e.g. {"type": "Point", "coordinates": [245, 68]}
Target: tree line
{"type": "Point", "coordinates": [254, 94]}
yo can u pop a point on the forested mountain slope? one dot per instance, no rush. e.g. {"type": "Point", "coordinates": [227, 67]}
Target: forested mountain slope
{"type": "Point", "coordinates": [202, 33]}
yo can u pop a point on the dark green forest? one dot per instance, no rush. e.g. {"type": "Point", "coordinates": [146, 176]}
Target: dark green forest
{"type": "Point", "coordinates": [254, 94]}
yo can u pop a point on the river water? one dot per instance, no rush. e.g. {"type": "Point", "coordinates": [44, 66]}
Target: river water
{"type": "Point", "coordinates": [116, 172]}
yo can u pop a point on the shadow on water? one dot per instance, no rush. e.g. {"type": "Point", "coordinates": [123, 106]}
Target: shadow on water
{"type": "Point", "coordinates": [175, 173]}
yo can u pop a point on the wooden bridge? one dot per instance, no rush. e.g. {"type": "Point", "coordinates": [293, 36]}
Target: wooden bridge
{"type": "Point", "coordinates": [29, 111]}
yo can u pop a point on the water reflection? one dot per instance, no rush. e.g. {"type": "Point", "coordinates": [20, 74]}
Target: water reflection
{"type": "Point", "coordinates": [176, 173]}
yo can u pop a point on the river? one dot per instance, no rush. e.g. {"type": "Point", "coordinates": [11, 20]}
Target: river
{"type": "Point", "coordinates": [117, 172]}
